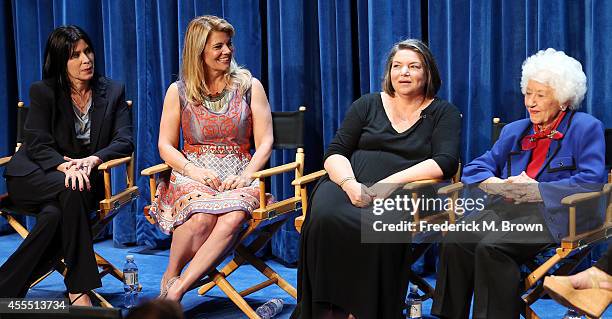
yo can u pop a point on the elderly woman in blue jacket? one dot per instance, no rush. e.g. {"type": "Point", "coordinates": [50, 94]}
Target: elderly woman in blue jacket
{"type": "Point", "coordinates": [537, 161]}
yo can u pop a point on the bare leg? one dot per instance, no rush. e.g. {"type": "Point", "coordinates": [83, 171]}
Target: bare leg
{"type": "Point", "coordinates": [78, 300]}
{"type": "Point", "coordinates": [186, 240]}
{"type": "Point", "coordinates": [215, 247]}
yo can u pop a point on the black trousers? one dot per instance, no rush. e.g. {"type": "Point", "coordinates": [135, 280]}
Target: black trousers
{"type": "Point", "coordinates": [487, 266]}
{"type": "Point", "coordinates": [62, 230]}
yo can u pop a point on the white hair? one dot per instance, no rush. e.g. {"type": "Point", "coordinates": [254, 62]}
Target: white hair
{"type": "Point", "coordinates": [559, 71]}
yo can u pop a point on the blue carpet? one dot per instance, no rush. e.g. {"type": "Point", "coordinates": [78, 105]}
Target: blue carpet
{"type": "Point", "coordinates": [214, 305]}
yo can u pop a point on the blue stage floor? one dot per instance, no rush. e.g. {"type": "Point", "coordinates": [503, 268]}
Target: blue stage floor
{"type": "Point", "coordinates": [215, 305]}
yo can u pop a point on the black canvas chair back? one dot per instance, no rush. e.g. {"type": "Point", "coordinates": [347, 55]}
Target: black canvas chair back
{"type": "Point", "coordinates": [288, 129]}
{"type": "Point", "coordinates": [22, 115]}
{"type": "Point", "coordinates": [496, 129]}
{"type": "Point", "coordinates": [608, 136]}
{"type": "Point", "coordinates": [5, 201]}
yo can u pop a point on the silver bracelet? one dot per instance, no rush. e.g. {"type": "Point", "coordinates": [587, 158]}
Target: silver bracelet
{"type": "Point", "coordinates": [346, 179]}
{"type": "Point", "coordinates": [185, 166]}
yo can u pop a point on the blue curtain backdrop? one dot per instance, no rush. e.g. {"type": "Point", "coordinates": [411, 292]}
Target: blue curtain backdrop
{"type": "Point", "coordinates": [320, 54]}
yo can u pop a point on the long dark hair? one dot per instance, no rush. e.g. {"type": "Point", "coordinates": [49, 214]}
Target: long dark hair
{"type": "Point", "coordinates": [58, 50]}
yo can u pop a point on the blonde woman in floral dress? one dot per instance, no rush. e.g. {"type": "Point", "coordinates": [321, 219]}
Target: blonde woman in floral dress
{"type": "Point", "coordinates": [209, 194]}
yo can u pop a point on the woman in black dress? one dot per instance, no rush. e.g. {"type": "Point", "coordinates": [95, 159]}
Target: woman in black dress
{"type": "Point", "coordinates": [77, 120]}
{"type": "Point", "coordinates": [387, 139]}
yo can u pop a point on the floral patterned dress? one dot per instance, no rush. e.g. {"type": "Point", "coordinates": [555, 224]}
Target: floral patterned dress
{"type": "Point", "coordinates": [217, 140]}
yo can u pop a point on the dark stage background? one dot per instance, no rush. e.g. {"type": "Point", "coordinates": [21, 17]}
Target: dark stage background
{"type": "Point", "coordinates": [322, 54]}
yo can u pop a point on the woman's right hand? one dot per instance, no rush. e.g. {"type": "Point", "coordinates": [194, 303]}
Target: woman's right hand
{"type": "Point", "coordinates": [357, 193]}
{"type": "Point", "coordinates": [203, 175]}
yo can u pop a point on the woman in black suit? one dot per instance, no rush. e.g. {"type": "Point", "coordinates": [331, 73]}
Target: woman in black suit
{"type": "Point", "coordinates": [77, 120]}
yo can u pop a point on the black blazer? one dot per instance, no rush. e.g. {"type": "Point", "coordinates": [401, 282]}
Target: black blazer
{"type": "Point", "coordinates": [50, 134]}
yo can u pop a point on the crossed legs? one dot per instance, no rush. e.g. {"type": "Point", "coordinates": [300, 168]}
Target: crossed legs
{"type": "Point", "coordinates": [202, 241]}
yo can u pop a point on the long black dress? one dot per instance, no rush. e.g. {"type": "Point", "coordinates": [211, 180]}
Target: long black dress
{"type": "Point", "coordinates": [367, 280]}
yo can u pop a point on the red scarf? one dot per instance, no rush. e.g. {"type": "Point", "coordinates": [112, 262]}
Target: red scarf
{"type": "Point", "coordinates": [539, 142]}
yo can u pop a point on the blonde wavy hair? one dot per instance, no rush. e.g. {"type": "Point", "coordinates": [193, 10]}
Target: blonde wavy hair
{"type": "Point", "coordinates": [193, 71]}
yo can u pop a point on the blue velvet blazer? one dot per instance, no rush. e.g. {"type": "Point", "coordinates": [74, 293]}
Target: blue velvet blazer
{"type": "Point", "coordinates": [574, 164]}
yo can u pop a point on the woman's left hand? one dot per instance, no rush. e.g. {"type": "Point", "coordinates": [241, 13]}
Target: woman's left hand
{"type": "Point", "coordinates": [84, 164]}
{"type": "Point", "coordinates": [233, 182]}
{"type": "Point", "coordinates": [382, 189]}
{"type": "Point", "coordinates": [524, 190]}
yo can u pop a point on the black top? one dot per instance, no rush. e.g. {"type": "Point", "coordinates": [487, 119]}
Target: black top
{"type": "Point", "coordinates": [435, 135]}
{"type": "Point", "coordinates": [50, 134]}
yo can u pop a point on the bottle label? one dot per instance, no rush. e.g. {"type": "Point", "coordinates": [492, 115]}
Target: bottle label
{"type": "Point", "coordinates": [131, 278]}
{"type": "Point", "coordinates": [415, 311]}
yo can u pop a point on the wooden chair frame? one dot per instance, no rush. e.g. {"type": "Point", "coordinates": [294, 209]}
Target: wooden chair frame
{"type": "Point", "coordinates": [264, 222]}
{"type": "Point", "coordinates": [108, 208]}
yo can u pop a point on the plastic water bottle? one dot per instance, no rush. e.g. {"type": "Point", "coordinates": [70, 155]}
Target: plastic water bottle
{"type": "Point", "coordinates": [414, 303]}
{"type": "Point", "coordinates": [130, 282]}
{"type": "Point", "coordinates": [572, 314]}
{"type": "Point", "coordinates": [270, 309]}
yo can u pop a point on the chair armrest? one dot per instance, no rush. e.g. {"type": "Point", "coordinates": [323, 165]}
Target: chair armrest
{"type": "Point", "coordinates": [422, 183]}
{"type": "Point", "coordinates": [155, 169]}
{"type": "Point", "coordinates": [275, 170]}
{"type": "Point", "coordinates": [577, 198]}
{"type": "Point", "coordinates": [114, 163]}
{"type": "Point", "coordinates": [574, 199]}
{"type": "Point", "coordinates": [106, 167]}
{"type": "Point", "coordinates": [309, 178]}
{"type": "Point", "coordinates": [446, 190]}
{"type": "Point", "coordinates": [4, 160]}
{"type": "Point", "coordinates": [151, 171]}
{"type": "Point", "coordinates": [118, 200]}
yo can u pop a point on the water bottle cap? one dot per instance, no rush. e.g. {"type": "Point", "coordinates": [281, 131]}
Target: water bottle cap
{"type": "Point", "coordinates": [129, 257]}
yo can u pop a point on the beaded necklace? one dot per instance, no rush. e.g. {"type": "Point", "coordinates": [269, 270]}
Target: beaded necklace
{"type": "Point", "coordinates": [218, 102]}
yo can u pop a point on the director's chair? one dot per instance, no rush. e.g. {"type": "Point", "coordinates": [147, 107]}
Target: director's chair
{"type": "Point", "coordinates": [264, 222]}
{"type": "Point", "coordinates": [575, 247]}
{"type": "Point", "coordinates": [108, 207]}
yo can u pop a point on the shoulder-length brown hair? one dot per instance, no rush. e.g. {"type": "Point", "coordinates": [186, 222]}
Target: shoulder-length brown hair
{"type": "Point", "coordinates": [433, 82]}
{"type": "Point", "coordinates": [193, 71]}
